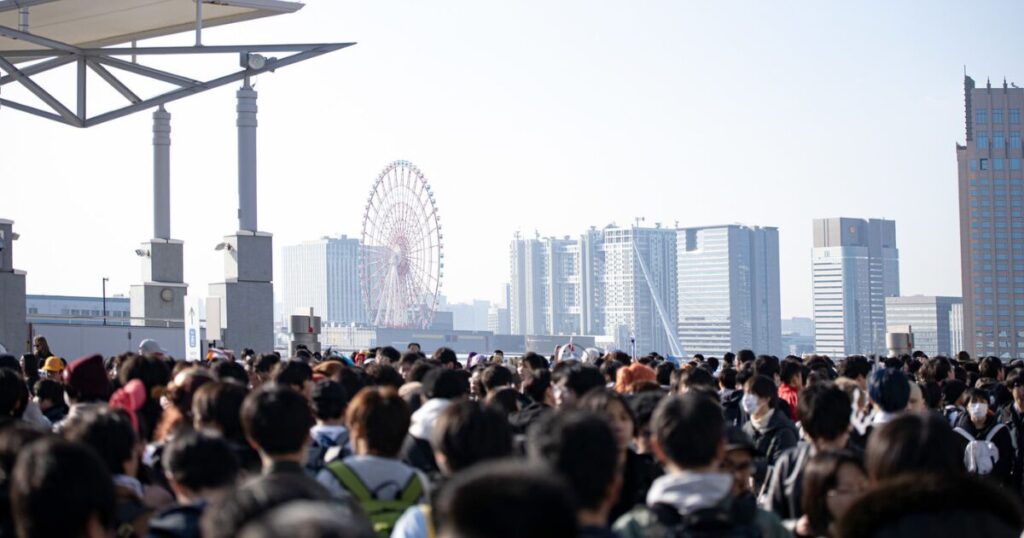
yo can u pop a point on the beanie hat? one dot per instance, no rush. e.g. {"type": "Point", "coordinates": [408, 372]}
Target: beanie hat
{"type": "Point", "coordinates": [87, 378]}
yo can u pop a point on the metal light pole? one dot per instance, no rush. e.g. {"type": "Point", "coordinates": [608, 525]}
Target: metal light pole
{"type": "Point", "coordinates": [105, 279]}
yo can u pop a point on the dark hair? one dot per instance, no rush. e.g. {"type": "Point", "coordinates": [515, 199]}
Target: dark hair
{"type": "Point", "coordinates": [745, 355]}
{"type": "Point", "coordinates": [293, 373]}
{"type": "Point", "coordinates": [381, 417]}
{"type": "Point", "coordinates": [978, 395]}
{"type": "Point", "coordinates": [277, 419]}
{"type": "Point", "coordinates": [536, 383]}
{"type": "Point", "coordinates": [226, 517]}
{"type": "Point", "coordinates": [762, 387]}
{"type": "Point", "coordinates": [952, 390]}
{"type": "Point", "coordinates": [890, 389]}
{"type": "Point", "coordinates": [767, 366]}
{"type": "Point", "coordinates": [495, 376]}
{"type": "Point", "coordinates": [14, 438]}
{"type": "Point", "coordinates": [445, 383]}
{"type": "Point", "coordinates": [506, 500]}
{"type": "Point", "coordinates": [913, 443]}
{"type": "Point", "coordinates": [329, 400]}
{"type": "Point", "coordinates": [599, 400]}
{"type": "Point", "coordinates": [467, 433]}
{"type": "Point", "coordinates": [505, 399]}
{"type": "Point", "coordinates": [789, 369]}
{"type": "Point", "coordinates": [578, 378]}
{"type": "Point", "coordinates": [643, 406]}
{"type": "Point", "coordinates": [13, 394]}
{"type": "Point", "coordinates": [610, 368]}
{"type": "Point", "coordinates": [200, 461]}
{"type": "Point", "coordinates": [57, 487]}
{"type": "Point", "coordinates": [390, 354]}
{"type": "Point", "coordinates": [990, 367]}
{"type": "Point", "coordinates": [108, 431]}
{"type": "Point", "coordinates": [230, 371]}
{"type": "Point", "coordinates": [581, 446]}
{"type": "Point", "coordinates": [220, 405]}
{"type": "Point", "coordinates": [727, 378]}
{"type": "Point", "coordinates": [445, 355]}
{"type": "Point", "coordinates": [383, 375]}
{"type": "Point", "coordinates": [689, 429]}
{"type": "Point", "coordinates": [319, 519]}
{"type": "Point", "coordinates": [932, 394]}
{"type": "Point", "coordinates": [663, 373]}
{"type": "Point", "coordinates": [533, 361]}
{"type": "Point", "coordinates": [265, 363]}
{"type": "Point", "coordinates": [824, 411]}
{"type": "Point", "coordinates": [696, 377]}
{"type": "Point", "coordinates": [410, 358]}
{"type": "Point", "coordinates": [350, 378]}
{"type": "Point", "coordinates": [712, 364]}
{"type": "Point", "coordinates": [855, 366]}
{"type": "Point", "coordinates": [821, 476]}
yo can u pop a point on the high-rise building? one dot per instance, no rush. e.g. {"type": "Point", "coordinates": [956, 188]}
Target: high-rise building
{"type": "Point", "coordinates": [992, 221]}
{"type": "Point", "coordinates": [855, 266]}
{"type": "Point", "coordinates": [546, 287]}
{"type": "Point", "coordinates": [636, 279]}
{"type": "Point", "coordinates": [324, 274]}
{"type": "Point", "coordinates": [728, 283]}
{"type": "Point", "coordinates": [931, 319]}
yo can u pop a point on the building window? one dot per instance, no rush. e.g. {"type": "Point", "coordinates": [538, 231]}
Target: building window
{"type": "Point", "coordinates": [1014, 115]}
{"type": "Point", "coordinates": [981, 116]}
{"type": "Point", "coordinates": [983, 165]}
{"type": "Point", "coordinates": [982, 140]}
{"type": "Point", "coordinates": [1014, 164]}
{"type": "Point", "coordinates": [1015, 139]}
{"type": "Point", "coordinates": [974, 164]}
{"type": "Point", "coordinates": [997, 164]}
{"type": "Point", "coordinates": [997, 115]}
{"type": "Point", "coordinates": [997, 141]}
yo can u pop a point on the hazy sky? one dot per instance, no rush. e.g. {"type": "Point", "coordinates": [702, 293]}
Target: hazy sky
{"type": "Point", "coordinates": [540, 115]}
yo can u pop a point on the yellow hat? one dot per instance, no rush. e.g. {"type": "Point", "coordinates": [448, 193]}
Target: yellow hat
{"type": "Point", "coordinates": [53, 364]}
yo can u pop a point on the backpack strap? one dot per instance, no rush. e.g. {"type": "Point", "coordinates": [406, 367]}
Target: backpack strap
{"type": "Point", "coordinates": [413, 490]}
{"type": "Point", "coordinates": [350, 481]}
{"type": "Point", "coordinates": [995, 429]}
{"type": "Point", "coordinates": [964, 433]}
{"type": "Point", "coordinates": [428, 516]}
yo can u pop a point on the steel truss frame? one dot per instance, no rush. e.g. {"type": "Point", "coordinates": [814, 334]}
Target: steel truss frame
{"type": "Point", "coordinates": [105, 61]}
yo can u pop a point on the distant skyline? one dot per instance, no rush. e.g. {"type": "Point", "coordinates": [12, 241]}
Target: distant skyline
{"type": "Point", "coordinates": [547, 116]}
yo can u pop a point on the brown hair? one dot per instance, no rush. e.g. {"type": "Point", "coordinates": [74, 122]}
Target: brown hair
{"type": "Point", "coordinates": [381, 417]}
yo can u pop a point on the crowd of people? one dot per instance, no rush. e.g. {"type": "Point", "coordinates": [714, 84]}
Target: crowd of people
{"type": "Point", "coordinates": [385, 443]}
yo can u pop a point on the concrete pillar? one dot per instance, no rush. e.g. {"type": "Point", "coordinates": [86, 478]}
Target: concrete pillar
{"type": "Point", "coordinates": [13, 328]}
{"type": "Point", "coordinates": [247, 158]}
{"type": "Point", "coordinates": [161, 174]}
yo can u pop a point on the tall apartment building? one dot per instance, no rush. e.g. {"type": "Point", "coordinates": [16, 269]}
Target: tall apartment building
{"type": "Point", "coordinates": [933, 320]}
{"type": "Point", "coordinates": [545, 288]}
{"type": "Point", "coordinates": [324, 274]}
{"type": "Point", "coordinates": [992, 221]}
{"type": "Point", "coordinates": [728, 284]}
{"type": "Point", "coordinates": [855, 266]}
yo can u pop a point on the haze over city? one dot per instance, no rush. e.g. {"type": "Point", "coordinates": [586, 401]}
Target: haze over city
{"type": "Point", "coordinates": [542, 116]}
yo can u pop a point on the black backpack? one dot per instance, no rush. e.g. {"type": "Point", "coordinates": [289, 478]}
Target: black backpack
{"type": "Point", "coordinates": [733, 518]}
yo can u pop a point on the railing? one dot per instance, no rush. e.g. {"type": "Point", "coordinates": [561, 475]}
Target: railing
{"type": "Point", "coordinates": [117, 321]}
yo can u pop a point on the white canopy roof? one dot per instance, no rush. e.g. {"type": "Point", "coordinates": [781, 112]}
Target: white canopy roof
{"type": "Point", "coordinates": [99, 23]}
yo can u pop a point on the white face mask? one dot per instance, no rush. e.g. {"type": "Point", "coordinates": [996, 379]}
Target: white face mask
{"type": "Point", "coordinates": [978, 411]}
{"type": "Point", "coordinates": [749, 403]}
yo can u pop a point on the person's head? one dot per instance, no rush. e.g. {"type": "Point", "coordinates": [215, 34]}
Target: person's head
{"type": "Point", "coordinates": [109, 432]}
{"type": "Point", "coordinates": [824, 411]}
{"type": "Point", "coordinates": [217, 406]}
{"type": "Point", "coordinates": [85, 380]}
{"type": "Point", "coordinates": [572, 380]}
{"type": "Point", "coordinates": [261, 367]}
{"type": "Point", "coordinates": [633, 373]}
{"type": "Point", "coordinates": [295, 374]}
{"type": "Point", "coordinates": [276, 420]}
{"type": "Point", "coordinates": [580, 446]}
{"type": "Point", "coordinates": [767, 366]}
{"type": "Point", "coordinates": [445, 383]}
{"type": "Point", "coordinates": [247, 503]}
{"type": "Point", "coordinates": [378, 420]}
{"type": "Point", "coordinates": [388, 355]}
{"type": "Point", "coordinates": [759, 394]}
{"type": "Point", "coordinates": [505, 400]}
{"type": "Point", "coordinates": [695, 377]}
{"type": "Point", "coordinates": [506, 500]}
{"type": "Point", "coordinates": [537, 384]}
{"type": "Point", "coordinates": [413, 347]}
{"type": "Point", "coordinates": [688, 432]}
{"type": "Point", "coordinates": [727, 379]}
{"type": "Point", "coordinates": [1015, 383]}
{"type": "Point", "coordinates": [991, 368]}
{"type": "Point", "coordinates": [309, 519]}
{"type": "Point", "coordinates": [467, 433]}
{"type": "Point", "coordinates": [495, 376]}
{"type": "Point", "coordinates": [912, 443]}
{"type": "Point", "coordinates": [614, 408]}
{"type": "Point", "coordinates": [915, 402]}
{"type": "Point", "coordinates": [13, 394]}
{"type": "Point", "coordinates": [329, 401]}
{"type": "Point", "coordinates": [857, 368]}
{"type": "Point", "coordinates": [405, 364]}
{"type": "Point", "coordinates": [446, 357]}
{"type": "Point", "coordinates": [41, 347]}
{"type": "Point", "coordinates": [740, 452]}
{"type": "Point", "coordinates": [199, 466]}
{"type": "Point", "coordinates": [744, 356]}
{"type": "Point", "coordinates": [977, 405]}
{"type": "Point", "coordinates": [49, 393]}
{"type": "Point", "coordinates": [498, 357]}
{"type": "Point", "coordinates": [59, 488]}
{"type": "Point", "coordinates": [889, 389]}
{"type": "Point", "coordinates": [230, 371]}
{"type": "Point", "coordinates": [791, 372]}
{"type": "Point", "coordinates": [833, 481]}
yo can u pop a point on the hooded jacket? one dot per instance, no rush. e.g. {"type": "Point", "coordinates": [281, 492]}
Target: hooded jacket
{"type": "Point", "coordinates": [416, 450]}
{"type": "Point", "coordinates": [778, 436]}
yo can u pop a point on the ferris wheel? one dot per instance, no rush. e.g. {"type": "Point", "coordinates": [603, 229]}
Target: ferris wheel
{"type": "Point", "coordinates": [401, 259]}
